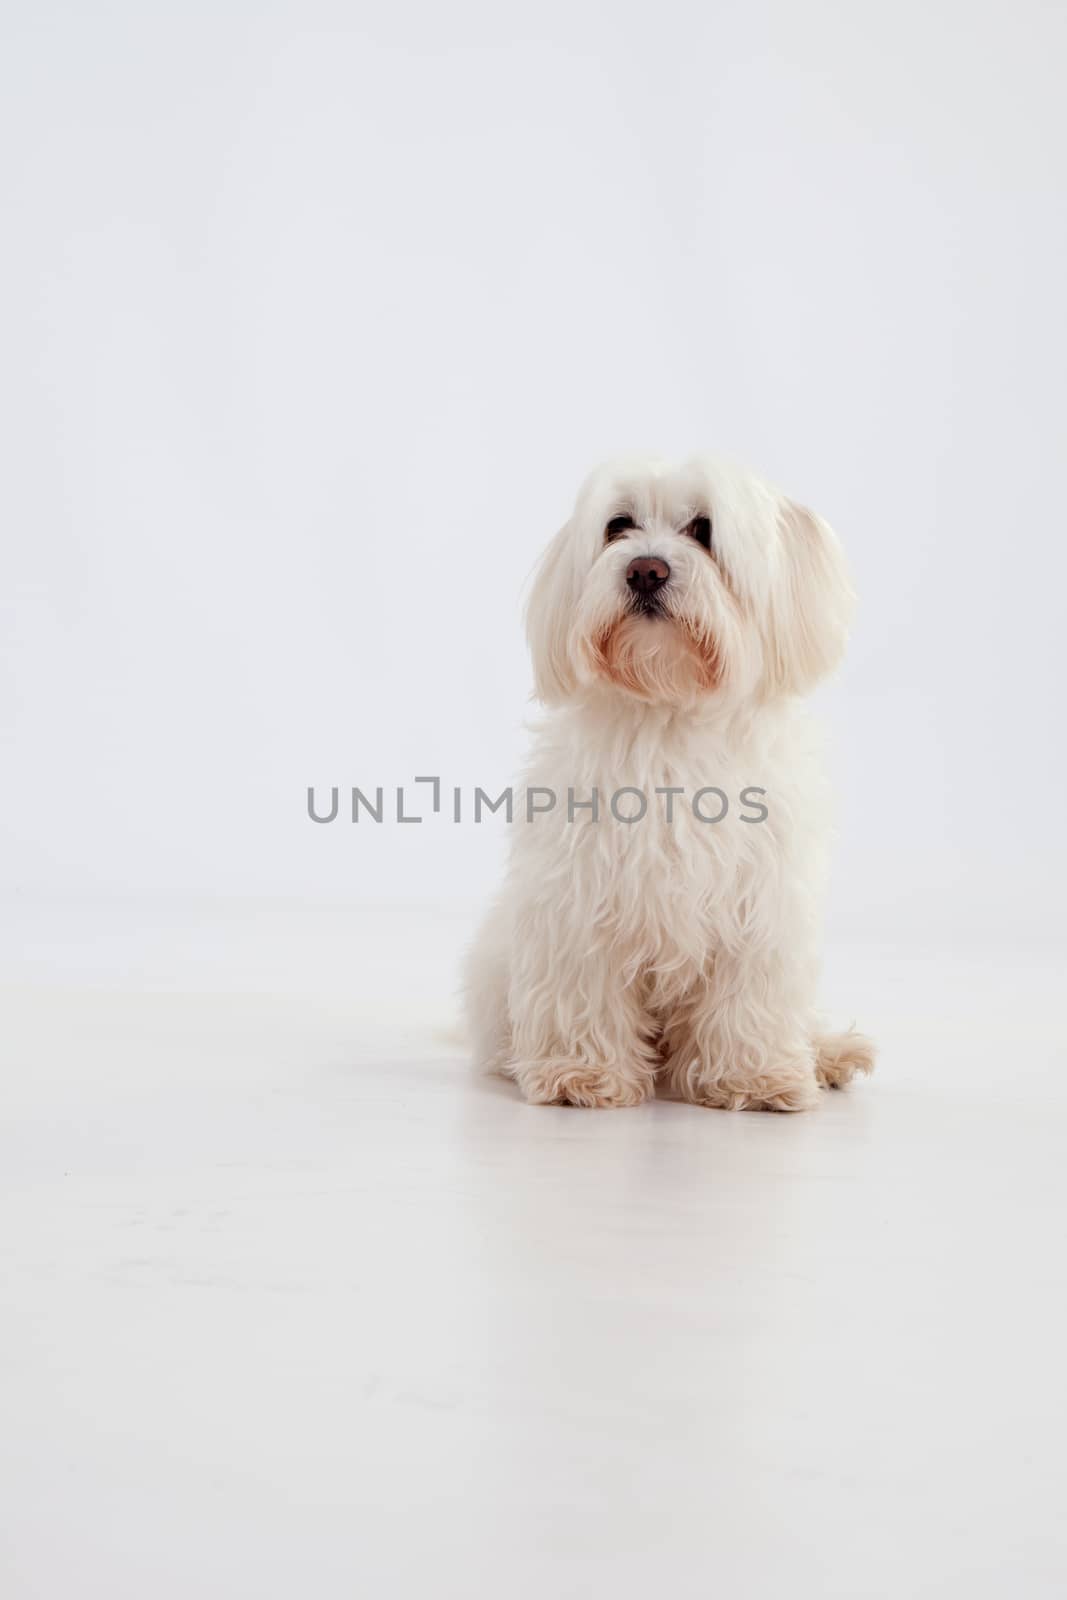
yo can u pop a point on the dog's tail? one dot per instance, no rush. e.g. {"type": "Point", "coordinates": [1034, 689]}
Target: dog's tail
{"type": "Point", "coordinates": [839, 1056]}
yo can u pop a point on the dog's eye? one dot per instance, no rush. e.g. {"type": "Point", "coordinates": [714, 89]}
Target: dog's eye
{"type": "Point", "coordinates": [617, 527]}
{"type": "Point", "coordinates": [700, 530]}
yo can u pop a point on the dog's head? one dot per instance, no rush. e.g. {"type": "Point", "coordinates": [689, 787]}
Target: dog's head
{"type": "Point", "coordinates": [677, 584]}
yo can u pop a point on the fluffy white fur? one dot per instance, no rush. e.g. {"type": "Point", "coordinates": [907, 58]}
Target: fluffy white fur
{"type": "Point", "coordinates": [681, 953]}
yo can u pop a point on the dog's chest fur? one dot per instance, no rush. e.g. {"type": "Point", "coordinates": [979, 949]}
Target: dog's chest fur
{"type": "Point", "coordinates": [671, 888]}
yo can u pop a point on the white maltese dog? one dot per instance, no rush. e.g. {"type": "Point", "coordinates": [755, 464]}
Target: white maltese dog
{"type": "Point", "coordinates": [659, 920]}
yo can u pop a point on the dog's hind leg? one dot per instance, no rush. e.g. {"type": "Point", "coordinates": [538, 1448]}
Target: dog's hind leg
{"type": "Point", "coordinates": [839, 1056]}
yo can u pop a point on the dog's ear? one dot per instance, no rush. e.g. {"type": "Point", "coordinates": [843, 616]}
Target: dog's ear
{"type": "Point", "coordinates": [811, 602]}
{"type": "Point", "coordinates": [550, 621]}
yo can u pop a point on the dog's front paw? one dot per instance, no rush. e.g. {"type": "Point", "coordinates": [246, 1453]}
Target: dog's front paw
{"type": "Point", "coordinates": [791, 1086]}
{"type": "Point", "coordinates": [561, 1082]}
{"type": "Point", "coordinates": [779, 1091]}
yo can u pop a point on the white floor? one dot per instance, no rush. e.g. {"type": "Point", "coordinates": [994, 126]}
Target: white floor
{"type": "Point", "coordinates": [291, 1304]}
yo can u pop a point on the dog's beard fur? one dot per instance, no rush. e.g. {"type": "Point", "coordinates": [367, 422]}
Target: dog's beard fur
{"type": "Point", "coordinates": [657, 658]}
{"type": "Point", "coordinates": [619, 957]}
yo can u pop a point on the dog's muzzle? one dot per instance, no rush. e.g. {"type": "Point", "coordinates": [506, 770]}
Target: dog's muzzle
{"type": "Point", "coordinates": [645, 577]}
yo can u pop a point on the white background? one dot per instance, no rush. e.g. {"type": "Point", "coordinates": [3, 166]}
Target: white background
{"type": "Point", "coordinates": [316, 314]}
{"type": "Point", "coordinates": [313, 318]}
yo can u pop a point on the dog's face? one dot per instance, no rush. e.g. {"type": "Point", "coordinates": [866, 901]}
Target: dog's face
{"type": "Point", "coordinates": [678, 584]}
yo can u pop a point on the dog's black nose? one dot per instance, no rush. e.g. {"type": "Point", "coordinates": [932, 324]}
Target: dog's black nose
{"type": "Point", "coordinates": [647, 574]}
